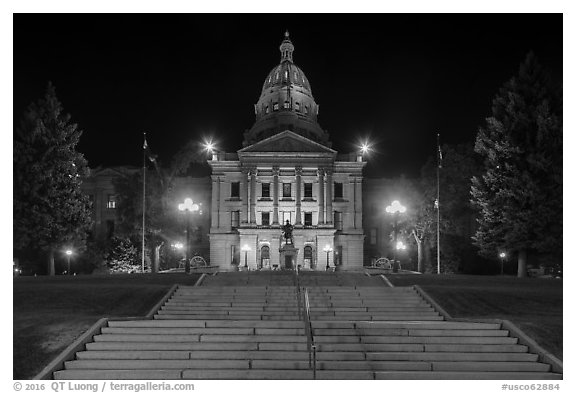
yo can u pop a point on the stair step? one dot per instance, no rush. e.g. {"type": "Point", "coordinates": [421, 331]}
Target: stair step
{"type": "Point", "coordinates": [340, 365]}
{"type": "Point", "coordinates": [157, 364]}
{"type": "Point", "coordinates": [438, 340]}
{"type": "Point", "coordinates": [474, 348]}
{"type": "Point", "coordinates": [453, 357]}
{"type": "Point", "coordinates": [118, 374]}
{"type": "Point", "coordinates": [455, 375]}
{"type": "Point", "coordinates": [171, 346]}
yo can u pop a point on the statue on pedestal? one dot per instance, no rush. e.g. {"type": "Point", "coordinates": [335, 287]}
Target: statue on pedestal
{"type": "Point", "coordinates": [287, 232]}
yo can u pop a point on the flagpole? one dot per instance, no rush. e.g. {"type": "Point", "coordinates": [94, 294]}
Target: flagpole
{"type": "Point", "coordinates": [143, 199]}
{"type": "Point", "coordinates": [438, 202]}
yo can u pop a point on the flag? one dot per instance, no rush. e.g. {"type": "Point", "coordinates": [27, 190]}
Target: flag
{"type": "Point", "coordinates": [147, 152]}
{"type": "Point", "coordinates": [439, 153]}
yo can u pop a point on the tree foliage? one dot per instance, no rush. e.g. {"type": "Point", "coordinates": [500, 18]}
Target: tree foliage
{"type": "Point", "coordinates": [50, 210]}
{"type": "Point", "coordinates": [519, 194]}
{"type": "Point", "coordinates": [122, 256]}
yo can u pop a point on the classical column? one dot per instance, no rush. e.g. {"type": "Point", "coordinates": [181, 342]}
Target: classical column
{"type": "Point", "coordinates": [358, 204]}
{"type": "Point", "coordinates": [253, 196]}
{"type": "Point", "coordinates": [275, 172]}
{"type": "Point", "coordinates": [329, 186]}
{"type": "Point", "coordinates": [320, 196]}
{"type": "Point", "coordinates": [244, 195]}
{"type": "Point", "coordinates": [298, 195]}
{"type": "Point", "coordinates": [215, 210]}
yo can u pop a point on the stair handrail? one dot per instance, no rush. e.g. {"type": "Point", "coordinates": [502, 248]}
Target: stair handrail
{"type": "Point", "coordinates": [310, 344]}
{"type": "Point", "coordinates": [298, 293]}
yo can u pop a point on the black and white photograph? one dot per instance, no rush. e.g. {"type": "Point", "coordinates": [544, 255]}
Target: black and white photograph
{"type": "Point", "coordinates": [287, 196]}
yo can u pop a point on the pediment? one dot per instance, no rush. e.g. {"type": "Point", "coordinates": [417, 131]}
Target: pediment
{"type": "Point", "coordinates": [287, 142]}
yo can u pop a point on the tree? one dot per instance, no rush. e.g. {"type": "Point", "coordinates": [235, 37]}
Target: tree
{"type": "Point", "coordinates": [50, 210]}
{"type": "Point", "coordinates": [519, 194]}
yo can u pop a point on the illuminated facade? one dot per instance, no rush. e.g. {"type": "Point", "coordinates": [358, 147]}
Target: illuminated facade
{"type": "Point", "coordinates": [286, 172]}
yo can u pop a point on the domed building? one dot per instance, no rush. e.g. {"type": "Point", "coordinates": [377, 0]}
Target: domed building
{"type": "Point", "coordinates": [286, 198]}
{"type": "Point", "coordinates": [286, 103]}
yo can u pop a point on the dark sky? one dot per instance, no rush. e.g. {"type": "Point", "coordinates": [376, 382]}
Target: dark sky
{"type": "Point", "coordinates": [395, 79]}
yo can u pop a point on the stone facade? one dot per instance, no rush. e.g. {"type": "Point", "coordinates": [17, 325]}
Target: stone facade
{"type": "Point", "coordinates": [286, 177]}
{"type": "Point", "coordinates": [286, 174]}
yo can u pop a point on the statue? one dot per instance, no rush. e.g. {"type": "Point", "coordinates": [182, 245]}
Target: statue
{"type": "Point", "coordinates": [287, 232]}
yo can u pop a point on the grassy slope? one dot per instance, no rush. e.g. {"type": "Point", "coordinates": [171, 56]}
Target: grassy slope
{"type": "Point", "coordinates": [50, 312]}
{"type": "Point", "coordinates": [534, 305]}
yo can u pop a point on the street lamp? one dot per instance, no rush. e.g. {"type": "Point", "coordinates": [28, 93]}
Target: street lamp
{"type": "Point", "coordinates": [327, 250]}
{"type": "Point", "coordinates": [502, 256]}
{"type": "Point", "coordinates": [395, 208]}
{"type": "Point", "coordinates": [246, 248]}
{"type": "Point", "coordinates": [68, 255]}
{"type": "Point", "coordinates": [188, 207]}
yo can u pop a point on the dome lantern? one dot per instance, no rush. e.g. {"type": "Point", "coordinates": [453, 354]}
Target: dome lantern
{"type": "Point", "coordinates": [286, 48]}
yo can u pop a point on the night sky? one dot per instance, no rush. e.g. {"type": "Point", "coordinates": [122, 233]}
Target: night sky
{"type": "Point", "coordinates": [396, 80]}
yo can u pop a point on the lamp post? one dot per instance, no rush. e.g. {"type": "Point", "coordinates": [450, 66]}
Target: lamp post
{"type": "Point", "coordinates": [502, 256]}
{"type": "Point", "coordinates": [327, 250]}
{"type": "Point", "coordinates": [395, 208]}
{"type": "Point", "coordinates": [246, 248]}
{"type": "Point", "coordinates": [188, 207]}
{"type": "Point", "coordinates": [68, 255]}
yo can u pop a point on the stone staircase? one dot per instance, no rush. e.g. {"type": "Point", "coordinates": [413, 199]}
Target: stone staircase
{"type": "Point", "coordinates": [254, 332]}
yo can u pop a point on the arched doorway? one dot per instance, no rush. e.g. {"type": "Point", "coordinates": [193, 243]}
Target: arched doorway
{"type": "Point", "coordinates": [265, 257]}
{"type": "Point", "coordinates": [308, 260]}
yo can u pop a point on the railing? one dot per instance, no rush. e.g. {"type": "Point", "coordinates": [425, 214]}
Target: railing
{"type": "Point", "coordinates": [304, 314]}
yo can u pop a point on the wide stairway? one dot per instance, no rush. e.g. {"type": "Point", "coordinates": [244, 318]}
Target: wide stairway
{"type": "Point", "coordinates": [255, 331]}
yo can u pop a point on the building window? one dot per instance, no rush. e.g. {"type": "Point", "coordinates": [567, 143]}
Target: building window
{"type": "Point", "coordinates": [338, 220]}
{"type": "Point", "coordinates": [265, 218]}
{"type": "Point", "coordinates": [265, 190]}
{"type": "Point", "coordinates": [111, 201]}
{"type": "Point", "coordinates": [234, 254]}
{"type": "Point", "coordinates": [307, 190]}
{"type": "Point", "coordinates": [297, 107]}
{"type": "Point", "coordinates": [286, 104]}
{"type": "Point", "coordinates": [286, 190]}
{"type": "Point", "coordinates": [235, 219]}
{"type": "Point", "coordinates": [235, 189]}
{"type": "Point", "coordinates": [276, 106]}
{"type": "Point", "coordinates": [373, 236]}
{"type": "Point", "coordinates": [308, 219]}
{"type": "Point", "coordinates": [286, 72]}
{"type": "Point", "coordinates": [338, 190]}
{"type": "Point", "coordinates": [265, 256]}
{"type": "Point", "coordinates": [308, 257]}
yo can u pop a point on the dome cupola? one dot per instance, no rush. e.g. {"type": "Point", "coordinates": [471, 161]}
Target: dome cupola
{"type": "Point", "coordinates": [286, 102]}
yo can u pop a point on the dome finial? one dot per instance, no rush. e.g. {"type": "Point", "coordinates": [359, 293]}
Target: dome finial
{"type": "Point", "coordinates": [286, 48]}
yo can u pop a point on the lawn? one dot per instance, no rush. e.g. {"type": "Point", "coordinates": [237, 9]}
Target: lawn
{"type": "Point", "coordinates": [533, 304]}
{"type": "Point", "coordinates": [51, 312]}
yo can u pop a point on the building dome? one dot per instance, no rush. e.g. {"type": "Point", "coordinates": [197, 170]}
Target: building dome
{"type": "Point", "coordinates": [286, 102]}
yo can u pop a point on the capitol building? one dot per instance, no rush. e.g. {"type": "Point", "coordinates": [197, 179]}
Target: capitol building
{"type": "Point", "coordinates": [285, 175]}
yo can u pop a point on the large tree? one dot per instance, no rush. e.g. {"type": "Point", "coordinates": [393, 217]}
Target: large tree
{"type": "Point", "coordinates": [519, 194]}
{"type": "Point", "coordinates": [50, 210]}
